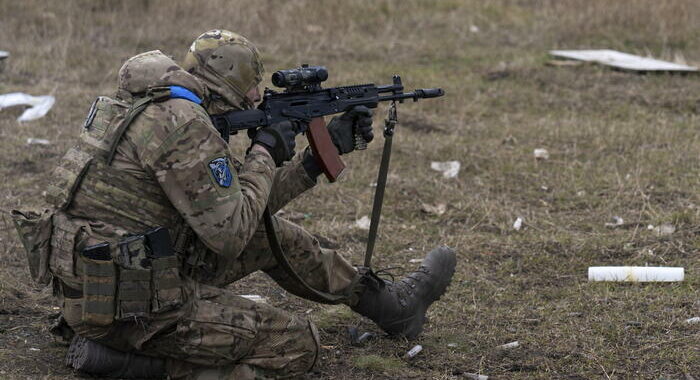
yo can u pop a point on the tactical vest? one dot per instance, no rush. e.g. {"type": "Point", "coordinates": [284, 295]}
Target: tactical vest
{"type": "Point", "coordinates": [95, 204]}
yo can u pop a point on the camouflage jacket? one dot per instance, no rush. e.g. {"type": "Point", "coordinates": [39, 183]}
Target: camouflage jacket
{"type": "Point", "coordinates": [172, 169]}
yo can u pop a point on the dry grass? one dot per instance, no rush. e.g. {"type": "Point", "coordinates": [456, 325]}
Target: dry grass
{"type": "Point", "coordinates": [620, 144]}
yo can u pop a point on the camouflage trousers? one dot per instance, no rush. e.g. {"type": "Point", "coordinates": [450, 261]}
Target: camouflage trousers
{"type": "Point", "coordinates": [219, 335]}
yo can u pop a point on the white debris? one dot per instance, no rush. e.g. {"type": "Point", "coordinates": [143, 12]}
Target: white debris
{"type": "Point", "coordinates": [4, 54]}
{"type": "Point", "coordinates": [541, 154]}
{"type": "Point", "coordinates": [415, 261]}
{"type": "Point", "coordinates": [580, 193]}
{"type": "Point", "coordinates": [693, 320]}
{"type": "Point", "coordinates": [474, 29]}
{"type": "Point", "coordinates": [437, 209]}
{"type": "Point", "coordinates": [38, 105]}
{"type": "Point", "coordinates": [510, 345]}
{"type": "Point", "coordinates": [33, 141]}
{"type": "Point", "coordinates": [449, 169]}
{"type": "Point", "coordinates": [451, 345]}
{"type": "Point", "coordinates": [414, 351]}
{"type": "Point", "coordinates": [34, 349]}
{"type": "Point", "coordinates": [650, 227]}
{"type": "Point", "coordinates": [621, 60]}
{"type": "Point", "coordinates": [255, 298]}
{"type": "Point", "coordinates": [636, 274]}
{"type": "Point", "coordinates": [475, 376]}
{"type": "Point", "coordinates": [363, 223]}
{"type": "Point", "coordinates": [518, 224]}
{"type": "Point", "coordinates": [665, 229]}
{"type": "Point", "coordinates": [615, 221]}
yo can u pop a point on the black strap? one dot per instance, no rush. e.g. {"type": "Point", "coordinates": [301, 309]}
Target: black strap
{"type": "Point", "coordinates": [284, 263]}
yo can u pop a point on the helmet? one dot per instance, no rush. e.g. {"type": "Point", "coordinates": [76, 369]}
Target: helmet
{"type": "Point", "coordinates": [228, 64]}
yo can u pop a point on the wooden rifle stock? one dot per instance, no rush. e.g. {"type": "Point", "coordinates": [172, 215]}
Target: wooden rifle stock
{"type": "Point", "coordinates": [325, 152]}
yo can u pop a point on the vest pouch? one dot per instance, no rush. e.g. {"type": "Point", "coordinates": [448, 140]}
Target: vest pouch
{"type": "Point", "coordinates": [134, 295]}
{"type": "Point", "coordinates": [34, 232]}
{"type": "Point", "coordinates": [99, 285]}
{"type": "Point", "coordinates": [165, 280]}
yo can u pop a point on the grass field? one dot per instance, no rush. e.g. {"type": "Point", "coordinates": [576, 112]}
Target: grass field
{"type": "Point", "coordinates": [620, 144]}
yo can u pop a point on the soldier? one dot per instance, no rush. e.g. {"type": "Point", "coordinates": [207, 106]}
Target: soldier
{"type": "Point", "coordinates": [155, 216]}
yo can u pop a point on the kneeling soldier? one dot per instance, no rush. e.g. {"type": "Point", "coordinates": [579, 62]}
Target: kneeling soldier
{"type": "Point", "coordinates": [154, 217]}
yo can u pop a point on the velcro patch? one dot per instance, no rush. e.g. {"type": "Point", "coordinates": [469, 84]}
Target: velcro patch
{"type": "Point", "coordinates": [221, 171]}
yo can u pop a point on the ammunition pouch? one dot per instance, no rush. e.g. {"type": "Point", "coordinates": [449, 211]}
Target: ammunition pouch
{"type": "Point", "coordinates": [141, 280]}
{"type": "Point", "coordinates": [34, 231]}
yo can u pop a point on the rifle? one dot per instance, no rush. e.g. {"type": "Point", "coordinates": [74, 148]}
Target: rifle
{"type": "Point", "coordinates": [304, 100]}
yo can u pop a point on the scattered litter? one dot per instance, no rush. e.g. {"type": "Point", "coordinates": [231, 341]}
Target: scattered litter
{"type": "Point", "coordinates": [541, 154]}
{"type": "Point", "coordinates": [34, 349]}
{"type": "Point", "coordinates": [415, 261]}
{"type": "Point", "coordinates": [33, 141]}
{"type": "Point", "coordinates": [665, 229]}
{"type": "Point", "coordinates": [510, 345]}
{"type": "Point", "coordinates": [633, 324]}
{"type": "Point", "coordinates": [451, 345]}
{"type": "Point", "coordinates": [544, 188]}
{"type": "Point", "coordinates": [474, 29]}
{"type": "Point", "coordinates": [580, 193]}
{"type": "Point", "coordinates": [363, 223]}
{"type": "Point", "coordinates": [255, 298]}
{"type": "Point", "coordinates": [692, 320]}
{"type": "Point", "coordinates": [622, 61]}
{"type": "Point", "coordinates": [650, 227]}
{"type": "Point", "coordinates": [437, 209]}
{"type": "Point", "coordinates": [364, 338]}
{"type": "Point", "coordinates": [414, 351]}
{"type": "Point", "coordinates": [615, 221]}
{"type": "Point", "coordinates": [449, 169]}
{"type": "Point", "coordinates": [636, 274]}
{"type": "Point", "coordinates": [38, 105]}
{"type": "Point", "coordinates": [475, 376]}
{"type": "Point", "coordinates": [518, 224]}
{"type": "Point", "coordinates": [372, 184]}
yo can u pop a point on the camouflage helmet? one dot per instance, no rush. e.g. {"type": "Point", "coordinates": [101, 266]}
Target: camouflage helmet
{"type": "Point", "coordinates": [228, 64]}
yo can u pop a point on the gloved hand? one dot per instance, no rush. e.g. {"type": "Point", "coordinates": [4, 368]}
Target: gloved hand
{"type": "Point", "coordinates": [358, 120]}
{"type": "Point", "coordinates": [278, 139]}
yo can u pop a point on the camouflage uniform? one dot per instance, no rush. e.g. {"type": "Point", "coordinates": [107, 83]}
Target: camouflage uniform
{"type": "Point", "coordinates": [161, 175]}
{"type": "Point", "coordinates": [151, 158]}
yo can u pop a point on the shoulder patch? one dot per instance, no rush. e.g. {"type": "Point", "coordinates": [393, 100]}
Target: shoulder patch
{"type": "Point", "coordinates": [221, 171]}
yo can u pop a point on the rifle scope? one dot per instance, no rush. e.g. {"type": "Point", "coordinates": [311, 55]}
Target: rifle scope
{"type": "Point", "coordinates": [304, 76]}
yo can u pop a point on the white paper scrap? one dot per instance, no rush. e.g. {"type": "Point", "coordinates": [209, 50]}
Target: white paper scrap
{"type": "Point", "coordinates": [255, 298]}
{"type": "Point", "coordinates": [636, 274]}
{"type": "Point", "coordinates": [363, 223]}
{"type": "Point", "coordinates": [621, 60]}
{"type": "Point", "coordinates": [449, 169]}
{"type": "Point", "coordinates": [38, 105]}
{"type": "Point", "coordinates": [506, 346]}
{"type": "Point", "coordinates": [33, 141]}
{"type": "Point", "coordinates": [518, 224]}
{"type": "Point", "coordinates": [541, 154]}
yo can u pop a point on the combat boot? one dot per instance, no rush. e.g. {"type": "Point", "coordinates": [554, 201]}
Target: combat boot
{"type": "Point", "coordinates": [92, 358]}
{"type": "Point", "coordinates": [399, 307]}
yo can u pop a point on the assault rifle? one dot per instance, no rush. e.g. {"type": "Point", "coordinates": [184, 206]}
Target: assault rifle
{"type": "Point", "coordinates": [304, 100]}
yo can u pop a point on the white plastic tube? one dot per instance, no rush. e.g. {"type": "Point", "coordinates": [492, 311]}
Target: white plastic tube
{"type": "Point", "coordinates": [636, 274]}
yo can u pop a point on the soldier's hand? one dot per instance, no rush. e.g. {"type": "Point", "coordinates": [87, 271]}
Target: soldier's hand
{"type": "Point", "coordinates": [343, 128]}
{"type": "Point", "coordinates": [278, 139]}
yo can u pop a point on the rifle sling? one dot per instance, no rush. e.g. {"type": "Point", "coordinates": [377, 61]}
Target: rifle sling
{"type": "Point", "coordinates": [277, 251]}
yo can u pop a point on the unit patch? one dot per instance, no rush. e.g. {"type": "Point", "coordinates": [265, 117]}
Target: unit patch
{"type": "Point", "coordinates": [220, 170]}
